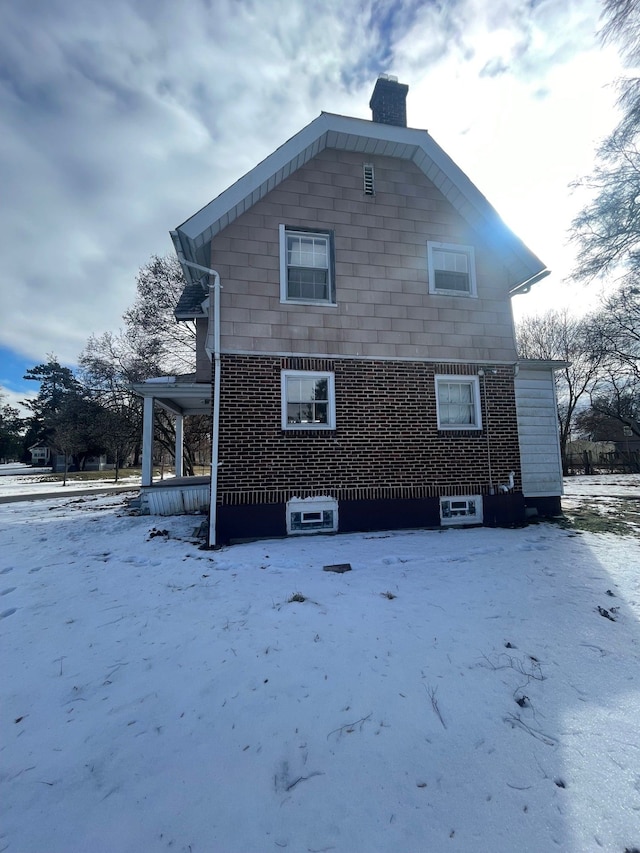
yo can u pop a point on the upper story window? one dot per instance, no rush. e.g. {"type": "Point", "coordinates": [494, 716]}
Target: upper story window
{"type": "Point", "coordinates": [306, 266]}
{"type": "Point", "coordinates": [308, 400]}
{"type": "Point", "coordinates": [452, 269]}
{"type": "Point", "coordinates": [458, 402]}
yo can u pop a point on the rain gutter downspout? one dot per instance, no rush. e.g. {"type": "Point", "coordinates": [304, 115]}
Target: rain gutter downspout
{"type": "Point", "coordinates": [214, 354]}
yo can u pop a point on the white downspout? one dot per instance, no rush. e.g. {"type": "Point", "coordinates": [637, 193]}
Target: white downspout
{"type": "Point", "coordinates": [481, 374]}
{"type": "Point", "coordinates": [214, 353]}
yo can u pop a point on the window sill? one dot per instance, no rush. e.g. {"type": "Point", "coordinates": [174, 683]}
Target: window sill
{"type": "Point", "coordinates": [314, 432]}
{"type": "Point", "coordinates": [455, 293]}
{"type": "Point", "coordinates": [308, 302]}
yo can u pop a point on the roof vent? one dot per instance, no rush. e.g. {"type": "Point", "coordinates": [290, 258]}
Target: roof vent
{"type": "Point", "coordinates": [388, 101]}
{"type": "Point", "coordinates": [368, 179]}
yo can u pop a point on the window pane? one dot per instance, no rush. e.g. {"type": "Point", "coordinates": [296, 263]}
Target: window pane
{"type": "Point", "coordinates": [307, 399]}
{"type": "Point", "coordinates": [452, 281]}
{"type": "Point", "coordinates": [312, 521]}
{"type": "Point", "coordinates": [320, 413]}
{"type": "Point", "coordinates": [303, 251]}
{"type": "Point", "coordinates": [456, 403]}
{"type": "Point", "coordinates": [321, 391]}
{"type": "Point", "coordinates": [450, 261]}
{"type": "Point", "coordinates": [308, 263]}
{"type": "Point", "coordinates": [451, 271]}
{"type": "Point", "coordinates": [307, 284]}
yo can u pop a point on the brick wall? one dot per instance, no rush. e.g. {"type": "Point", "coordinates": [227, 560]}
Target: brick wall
{"type": "Point", "coordinates": [386, 444]}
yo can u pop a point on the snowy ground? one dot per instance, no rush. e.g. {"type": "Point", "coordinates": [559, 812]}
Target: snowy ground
{"type": "Point", "coordinates": [23, 479]}
{"type": "Point", "coordinates": [464, 690]}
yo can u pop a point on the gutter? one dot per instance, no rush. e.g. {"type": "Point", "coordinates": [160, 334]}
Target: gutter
{"type": "Point", "coordinates": [526, 286]}
{"type": "Point", "coordinates": [212, 347]}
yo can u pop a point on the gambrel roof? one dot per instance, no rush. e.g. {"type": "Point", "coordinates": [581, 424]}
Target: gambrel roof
{"type": "Point", "coordinates": [192, 239]}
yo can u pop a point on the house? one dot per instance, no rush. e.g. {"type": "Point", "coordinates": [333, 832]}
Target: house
{"type": "Point", "coordinates": [42, 456]}
{"type": "Point", "coordinates": [355, 342]}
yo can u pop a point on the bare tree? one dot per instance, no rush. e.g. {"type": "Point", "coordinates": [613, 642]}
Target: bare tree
{"type": "Point", "coordinates": [607, 230]}
{"type": "Point", "coordinates": [557, 336]}
{"type": "Point", "coordinates": [151, 344]}
{"type": "Point", "coordinates": [614, 339]}
{"type": "Point", "coordinates": [622, 25]}
{"type": "Point", "coordinates": [152, 330]}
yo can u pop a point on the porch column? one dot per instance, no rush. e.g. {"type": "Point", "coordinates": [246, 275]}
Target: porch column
{"type": "Point", "coordinates": [179, 444]}
{"type": "Point", "coordinates": [147, 441]}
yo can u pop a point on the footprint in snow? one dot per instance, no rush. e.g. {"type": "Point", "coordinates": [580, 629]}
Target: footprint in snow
{"type": "Point", "coordinates": [7, 590]}
{"type": "Point", "coordinates": [533, 546]}
{"type": "Point", "coordinates": [35, 569]}
{"type": "Point", "coordinates": [6, 571]}
{"type": "Point", "coordinates": [8, 612]}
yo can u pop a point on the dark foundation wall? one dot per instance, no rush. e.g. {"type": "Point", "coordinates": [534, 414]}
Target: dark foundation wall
{"type": "Point", "coordinates": [250, 521]}
{"type": "Point", "coordinates": [263, 521]}
{"type": "Point", "coordinates": [548, 507]}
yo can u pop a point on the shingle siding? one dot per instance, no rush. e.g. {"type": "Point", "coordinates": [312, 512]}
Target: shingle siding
{"type": "Point", "coordinates": [381, 260]}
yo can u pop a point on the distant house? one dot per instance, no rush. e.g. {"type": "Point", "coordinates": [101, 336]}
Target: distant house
{"type": "Point", "coordinates": [355, 342]}
{"type": "Point", "coordinates": [43, 456]}
{"type": "Point", "coordinates": [40, 455]}
{"type": "Point", "coordinates": [611, 447]}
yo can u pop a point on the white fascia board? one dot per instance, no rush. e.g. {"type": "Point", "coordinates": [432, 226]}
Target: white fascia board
{"type": "Point", "coordinates": [246, 185]}
{"type": "Point", "coordinates": [541, 364]}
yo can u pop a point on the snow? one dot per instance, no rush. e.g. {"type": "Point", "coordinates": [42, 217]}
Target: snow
{"type": "Point", "coordinates": [603, 485]}
{"type": "Point", "coordinates": [16, 479]}
{"type": "Point", "coordinates": [159, 697]}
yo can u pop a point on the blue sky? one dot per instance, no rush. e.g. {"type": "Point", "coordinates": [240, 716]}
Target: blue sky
{"type": "Point", "coordinates": [120, 120]}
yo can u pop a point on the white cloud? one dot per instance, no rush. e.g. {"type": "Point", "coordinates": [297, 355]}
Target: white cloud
{"type": "Point", "coordinates": [15, 399]}
{"type": "Point", "coordinates": [120, 120]}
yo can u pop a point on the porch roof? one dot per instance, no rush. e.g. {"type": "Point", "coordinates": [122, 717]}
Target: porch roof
{"type": "Point", "coordinates": [179, 395]}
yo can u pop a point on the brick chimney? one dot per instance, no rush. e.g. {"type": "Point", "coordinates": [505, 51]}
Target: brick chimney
{"type": "Point", "coordinates": [388, 102]}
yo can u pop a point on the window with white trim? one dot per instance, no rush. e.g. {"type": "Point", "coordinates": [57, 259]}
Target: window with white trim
{"type": "Point", "coordinates": [452, 269]}
{"type": "Point", "coordinates": [306, 266]}
{"type": "Point", "coordinates": [458, 402]}
{"type": "Point", "coordinates": [308, 400]}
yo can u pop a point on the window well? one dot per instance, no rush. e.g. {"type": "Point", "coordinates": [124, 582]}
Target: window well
{"type": "Point", "coordinates": [461, 509]}
{"type": "Point", "coordinates": [312, 515]}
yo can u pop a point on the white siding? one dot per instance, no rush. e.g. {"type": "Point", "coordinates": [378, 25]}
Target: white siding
{"type": "Point", "coordinates": [538, 431]}
{"type": "Point", "coordinates": [175, 500]}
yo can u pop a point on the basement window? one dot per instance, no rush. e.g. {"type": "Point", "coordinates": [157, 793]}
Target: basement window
{"type": "Point", "coordinates": [312, 515]}
{"type": "Point", "coordinates": [368, 179]}
{"type": "Point", "coordinates": [461, 509]}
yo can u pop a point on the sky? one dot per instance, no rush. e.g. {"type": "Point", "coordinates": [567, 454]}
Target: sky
{"type": "Point", "coordinates": [457, 690]}
{"type": "Point", "coordinates": [120, 120]}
